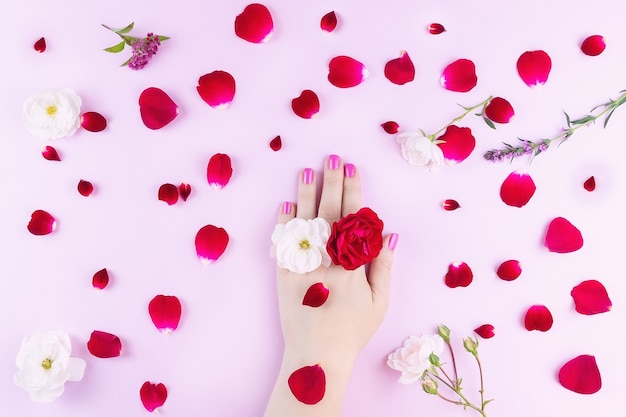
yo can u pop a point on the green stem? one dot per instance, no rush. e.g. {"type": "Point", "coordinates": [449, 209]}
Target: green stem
{"type": "Point", "coordinates": [468, 110]}
{"type": "Point", "coordinates": [482, 384]}
{"type": "Point", "coordinates": [464, 401]}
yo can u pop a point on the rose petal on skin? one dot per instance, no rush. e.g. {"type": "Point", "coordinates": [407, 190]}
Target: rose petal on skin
{"type": "Point", "coordinates": [168, 193]}
{"type": "Point", "coordinates": [534, 67]}
{"type": "Point", "coordinates": [211, 242]}
{"type": "Point", "coordinates": [157, 108]}
{"type": "Point", "coordinates": [254, 24]}
{"type": "Point", "coordinates": [165, 312]}
{"type": "Point", "coordinates": [499, 110]}
{"type": "Point", "coordinates": [152, 395]}
{"type": "Point", "coordinates": [217, 89]}
{"type": "Point", "coordinates": [538, 317]}
{"type": "Point", "coordinates": [104, 345]}
{"type": "Point", "coordinates": [329, 22]}
{"type": "Point", "coordinates": [93, 122]}
{"type": "Point", "coordinates": [40, 45]}
{"type": "Point", "coordinates": [50, 154]}
{"type": "Point", "coordinates": [345, 72]}
{"type": "Point", "coordinates": [276, 144]}
{"type": "Point", "coordinates": [41, 223]}
{"type": "Point", "coordinates": [436, 28]}
{"type": "Point", "coordinates": [316, 295]}
{"type": "Point", "coordinates": [219, 170]}
{"type": "Point", "coordinates": [85, 188]}
{"type": "Point", "coordinates": [391, 127]}
{"type": "Point", "coordinates": [509, 270]}
{"type": "Point", "coordinates": [100, 279]}
{"type": "Point", "coordinates": [486, 331]}
{"type": "Point", "coordinates": [581, 375]}
{"type": "Point", "coordinates": [517, 189]}
{"type": "Point", "coordinates": [306, 105]}
{"type": "Point", "coordinates": [308, 384]}
{"type": "Point", "coordinates": [590, 297]}
{"type": "Point", "coordinates": [590, 184]}
{"type": "Point", "coordinates": [450, 205]}
{"type": "Point", "coordinates": [459, 76]}
{"type": "Point", "coordinates": [184, 190]}
{"type": "Point", "coordinates": [400, 70]}
{"type": "Point", "coordinates": [562, 236]}
{"type": "Point", "coordinates": [459, 275]}
{"type": "Point", "coordinates": [457, 143]}
{"type": "Point", "coordinates": [593, 45]}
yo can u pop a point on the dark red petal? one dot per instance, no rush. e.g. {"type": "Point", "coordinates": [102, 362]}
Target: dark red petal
{"type": "Point", "coordinates": [157, 108]}
{"type": "Point", "coordinates": [594, 45]}
{"type": "Point", "coordinates": [486, 331]}
{"type": "Point", "coordinates": [152, 395]}
{"type": "Point", "coordinates": [40, 45]}
{"type": "Point", "coordinates": [306, 105]}
{"type": "Point", "coordinates": [217, 89]}
{"type": "Point", "coordinates": [590, 297]}
{"type": "Point", "coordinates": [184, 190]}
{"type": "Point", "coordinates": [93, 122]}
{"type": "Point", "coordinates": [509, 270]}
{"type": "Point", "coordinates": [254, 24]}
{"type": "Point", "coordinates": [458, 144]}
{"type": "Point", "coordinates": [168, 193]}
{"type": "Point", "coordinates": [391, 127]}
{"type": "Point", "coordinates": [50, 154]}
{"type": "Point", "coordinates": [219, 170]}
{"type": "Point", "coordinates": [581, 375]}
{"type": "Point", "coordinates": [590, 183]}
{"type": "Point", "coordinates": [165, 312]}
{"type": "Point", "coordinates": [538, 317]}
{"type": "Point", "coordinates": [211, 242]}
{"type": "Point", "coordinates": [499, 110]}
{"type": "Point", "coordinates": [534, 67]}
{"type": "Point", "coordinates": [400, 70]}
{"type": "Point", "coordinates": [329, 22]}
{"type": "Point", "coordinates": [316, 295]}
{"type": "Point", "coordinates": [459, 275]}
{"type": "Point", "coordinates": [100, 279]}
{"type": "Point", "coordinates": [41, 223]}
{"type": "Point", "coordinates": [450, 205]}
{"type": "Point", "coordinates": [436, 28]}
{"type": "Point", "coordinates": [85, 188]}
{"type": "Point", "coordinates": [308, 384]}
{"type": "Point", "coordinates": [459, 76]}
{"type": "Point", "coordinates": [563, 237]}
{"type": "Point", "coordinates": [345, 72]}
{"type": "Point", "coordinates": [104, 345]}
{"type": "Point", "coordinates": [276, 144]}
{"type": "Point", "coordinates": [517, 189]}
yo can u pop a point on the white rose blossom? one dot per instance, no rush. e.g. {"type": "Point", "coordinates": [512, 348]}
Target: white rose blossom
{"type": "Point", "coordinates": [412, 359]}
{"type": "Point", "coordinates": [44, 365]}
{"type": "Point", "coordinates": [419, 150]}
{"type": "Point", "coordinates": [52, 114]}
{"type": "Point", "coordinates": [300, 245]}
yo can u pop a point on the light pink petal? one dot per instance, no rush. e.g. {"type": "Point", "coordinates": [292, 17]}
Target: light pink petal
{"type": "Point", "coordinates": [165, 312]}
{"type": "Point", "coordinates": [219, 170]}
{"type": "Point", "coordinates": [157, 108]}
{"type": "Point", "coordinates": [40, 45]}
{"type": "Point", "coordinates": [276, 144]}
{"type": "Point", "coordinates": [41, 223]}
{"type": "Point", "coordinates": [308, 384]}
{"type": "Point", "coordinates": [217, 89]}
{"type": "Point", "coordinates": [329, 22]}
{"type": "Point", "coordinates": [400, 70]}
{"type": "Point", "coordinates": [168, 193]}
{"type": "Point", "coordinates": [184, 190]}
{"type": "Point", "coordinates": [534, 67]}
{"type": "Point", "coordinates": [85, 188]}
{"type": "Point", "coordinates": [590, 297]}
{"type": "Point", "coordinates": [517, 189]}
{"type": "Point", "coordinates": [345, 72]}
{"type": "Point", "coordinates": [499, 110]}
{"type": "Point", "coordinates": [211, 242]}
{"type": "Point", "coordinates": [391, 127]}
{"type": "Point", "coordinates": [581, 375]}
{"type": "Point", "coordinates": [436, 28]}
{"type": "Point", "coordinates": [486, 331]}
{"type": "Point", "coordinates": [509, 270]}
{"type": "Point", "coordinates": [104, 345]}
{"type": "Point", "coordinates": [590, 184]}
{"type": "Point", "coordinates": [593, 45]}
{"type": "Point", "coordinates": [538, 317]}
{"type": "Point", "coordinates": [306, 105]}
{"type": "Point", "coordinates": [459, 76]}
{"type": "Point", "coordinates": [459, 275]}
{"type": "Point", "coordinates": [457, 144]}
{"type": "Point", "coordinates": [254, 24]}
{"type": "Point", "coordinates": [563, 237]}
{"type": "Point", "coordinates": [100, 279]}
{"type": "Point", "coordinates": [450, 205]}
{"type": "Point", "coordinates": [50, 154]}
{"type": "Point", "coordinates": [316, 295]}
{"type": "Point", "coordinates": [152, 395]}
{"type": "Point", "coordinates": [93, 122]}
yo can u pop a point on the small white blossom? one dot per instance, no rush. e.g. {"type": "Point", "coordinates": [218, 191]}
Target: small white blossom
{"type": "Point", "coordinates": [300, 245]}
{"type": "Point", "coordinates": [52, 114]}
{"type": "Point", "coordinates": [419, 150]}
{"type": "Point", "coordinates": [413, 358]}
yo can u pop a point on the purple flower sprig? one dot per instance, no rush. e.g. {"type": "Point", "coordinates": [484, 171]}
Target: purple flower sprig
{"type": "Point", "coordinates": [143, 49]}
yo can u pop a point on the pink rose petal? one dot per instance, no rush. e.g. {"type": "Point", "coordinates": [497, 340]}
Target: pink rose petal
{"type": "Point", "coordinates": [538, 317]}
{"type": "Point", "coordinates": [152, 395]}
{"type": "Point", "coordinates": [276, 144]}
{"type": "Point", "coordinates": [211, 242]}
{"type": "Point", "coordinates": [517, 189]}
{"type": "Point", "coordinates": [100, 279]}
{"type": "Point", "coordinates": [450, 205]}
{"type": "Point", "coordinates": [486, 331]}
{"type": "Point", "coordinates": [85, 188]}
{"type": "Point", "coordinates": [184, 190]}
{"type": "Point", "coordinates": [563, 237]}
{"type": "Point", "coordinates": [93, 122]}
{"type": "Point", "coordinates": [157, 108]}
{"type": "Point", "coordinates": [459, 275]}
{"type": "Point", "coordinates": [391, 127]}
{"type": "Point", "coordinates": [217, 89]}
{"type": "Point", "coordinates": [41, 223]}
{"type": "Point", "coordinates": [306, 105]}
{"type": "Point", "coordinates": [40, 45]}
{"type": "Point", "coordinates": [581, 375]}
{"type": "Point", "coordinates": [308, 384]}
{"type": "Point", "coordinates": [400, 70]}
{"type": "Point", "coordinates": [458, 144]}
{"type": "Point", "coordinates": [345, 72]}
{"type": "Point", "coordinates": [534, 67]}
{"type": "Point", "coordinates": [499, 110]}
{"type": "Point", "coordinates": [329, 22]}
{"type": "Point", "coordinates": [590, 184]}
{"type": "Point", "coordinates": [219, 170]}
{"type": "Point", "coordinates": [254, 24]}
{"type": "Point", "coordinates": [509, 270]}
{"type": "Point", "coordinates": [459, 76]}
{"type": "Point", "coordinates": [593, 45]}
{"type": "Point", "coordinates": [436, 28]}
{"type": "Point", "coordinates": [316, 295]}
{"type": "Point", "coordinates": [104, 345]}
{"type": "Point", "coordinates": [590, 297]}
{"type": "Point", "coordinates": [168, 193]}
{"type": "Point", "coordinates": [165, 312]}
{"type": "Point", "coordinates": [50, 154]}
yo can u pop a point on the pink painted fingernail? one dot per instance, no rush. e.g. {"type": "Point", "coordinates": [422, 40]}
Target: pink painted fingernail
{"type": "Point", "coordinates": [349, 170]}
{"type": "Point", "coordinates": [393, 241]}
{"type": "Point", "coordinates": [333, 162]}
{"type": "Point", "coordinates": [286, 207]}
{"type": "Point", "coordinates": [307, 175]}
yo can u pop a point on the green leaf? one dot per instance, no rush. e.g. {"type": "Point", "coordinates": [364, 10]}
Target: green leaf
{"type": "Point", "coordinates": [125, 63]}
{"type": "Point", "coordinates": [487, 402]}
{"type": "Point", "coordinates": [569, 122]}
{"type": "Point", "coordinates": [116, 48]}
{"type": "Point", "coordinates": [584, 120]}
{"type": "Point", "coordinates": [489, 123]}
{"type": "Point", "coordinates": [163, 38]}
{"type": "Point", "coordinates": [125, 29]}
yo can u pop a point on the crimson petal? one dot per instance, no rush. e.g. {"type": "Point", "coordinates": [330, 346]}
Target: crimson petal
{"type": "Point", "coordinates": [590, 297]}
{"type": "Point", "coordinates": [581, 375]}
{"type": "Point", "coordinates": [276, 144]}
{"type": "Point", "coordinates": [499, 110]}
{"type": "Point", "coordinates": [316, 295]}
{"type": "Point", "coordinates": [517, 189]}
{"type": "Point", "coordinates": [329, 22]}
{"type": "Point", "coordinates": [168, 193]}
{"type": "Point", "coordinates": [41, 223]}
{"type": "Point", "coordinates": [100, 279]}
{"type": "Point", "coordinates": [50, 154]}
{"type": "Point", "coordinates": [400, 70]}
{"type": "Point", "coordinates": [563, 237]}
{"type": "Point", "coordinates": [152, 395]}
{"type": "Point", "coordinates": [93, 122]}
{"type": "Point", "coordinates": [509, 270]}
{"type": "Point", "coordinates": [40, 45]}
{"type": "Point", "coordinates": [486, 331]}
{"type": "Point", "coordinates": [590, 184]}
{"type": "Point", "coordinates": [254, 24]}
{"type": "Point", "coordinates": [390, 127]}
{"type": "Point", "coordinates": [457, 144]}
{"type": "Point", "coordinates": [104, 345]}
{"type": "Point", "coordinates": [85, 188]}
{"type": "Point", "coordinates": [538, 317]}
{"type": "Point", "coordinates": [459, 76]}
{"type": "Point", "coordinates": [217, 89]}
{"type": "Point", "coordinates": [306, 105]}
{"type": "Point", "coordinates": [459, 275]}
{"type": "Point", "coordinates": [308, 384]}
{"type": "Point", "coordinates": [219, 170]}
{"type": "Point", "coordinates": [211, 242]}
{"type": "Point", "coordinates": [345, 72]}
{"type": "Point", "coordinates": [593, 45]}
{"type": "Point", "coordinates": [184, 190]}
{"type": "Point", "coordinates": [165, 312]}
{"type": "Point", "coordinates": [157, 108]}
{"type": "Point", "coordinates": [534, 67]}
{"type": "Point", "coordinates": [436, 28]}
{"type": "Point", "coordinates": [450, 205]}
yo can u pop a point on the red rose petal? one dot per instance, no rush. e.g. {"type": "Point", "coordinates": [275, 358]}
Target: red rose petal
{"type": "Point", "coordinates": [316, 295]}
{"type": "Point", "coordinates": [563, 237]}
{"type": "Point", "coordinates": [400, 70]}
{"type": "Point", "coordinates": [157, 108]}
{"type": "Point", "coordinates": [104, 345]}
{"type": "Point", "coordinates": [391, 127]}
{"type": "Point", "coordinates": [100, 279]}
{"type": "Point", "coordinates": [509, 270]}
{"type": "Point", "coordinates": [211, 242]}
{"type": "Point", "coordinates": [152, 395]}
{"type": "Point", "coordinates": [219, 170]}
{"type": "Point", "coordinates": [458, 144]}
{"type": "Point", "coordinates": [581, 375]}
{"type": "Point", "coordinates": [184, 190]}
{"type": "Point", "coordinates": [499, 110]}
{"type": "Point", "coordinates": [593, 45]}
{"type": "Point", "coordinates": [306, 105]}
{"type": "Point", "coordinates": [459, 76]}
{"type": "Point", "coordinates": [517, 189]}
{"type": "Point", "coordinates": [165, 312]}
{"type": "Point", "coordinates": [168, 193]}
{"type": "Point", "coordinates": [590, 297]}
{"type": "Point", "coordinates": [93, 122]}
{"type": "Point", "coordinates": [85, 188]}
{"type": "Point", "coordinates": [450, 205]}
{"type": "Point", "coordinates": [436, 28]}
{"type": "Point", "coordinates": [486, 331]}
{"type": "Point", "coordinates": [534, 67]}
{"type": "Point", "coordinates": [254, 24]}
{"type": "Point", "coordinates": [345, 72]}
{"type": "Point", "coordinates": [590, 184]}
{"type": "Point", "coordinates": [329, 22]}
{"type": "Point", "coordinates": [276, 144]}
{"type": "Point", "coordinates": [50, 154]}
{"type": "Point", "coordinates": [538, 317]}
{"type": "Point", "coordinates": [40, 45]}
{"type": "Point", "coordinates": [41, 223]}
{"type": "Point", "coordinates": [308, 384]}
{"type": "Point", "coordinates": [217, 89]}
{"type": "Point", "coordinates": [459, 275]}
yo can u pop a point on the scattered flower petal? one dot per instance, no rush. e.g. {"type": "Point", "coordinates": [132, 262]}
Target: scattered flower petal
{"type": "Point", "coordinates": [534, 67]}
{"type": "Point", "coordinates": [306, 105]}
{"type": "Point", "coordinates": [593, 45]}
{"type": "Point", "coordinates": [40, 45]}
{"type": "Point", "coordinates": [329, 22]}
{"type": "Point", "coordinates": [41, 223]}
{"type": "Point", "coordinates": [459, 76]}
{"type": "Point", "coordinates": [93, 122]}
{"type": "Point", "coordinates": [254, 24]}
{"type": "Point", "coordinates": [184, 190]}
{"type": "Point", "coordinates": [100, 279]}
{"type": "Point", "coordinates": [590, 184]}
{"type": "Point", "coordinates": [316, 295]}
{"type": "Point", "coordinates": [152, 395]}
{"type": "Point", "coordinates": [459, 275]}
{"type": "Point", "coordinates": [345, 72]}
{"type": "Point", "coordinates": [157, 108]}
{"type": "Point", "coordinates": [563, 237]}
{"type": "Point", "coordinates": [499, 110]}
{"type": "Point", "coordinates": [168, 193]}
{"type": "Point", "coordinates": [400, 70]}
{"type": "Point", "coordinates": [538, 317]}
{"type": "Point", "coordinates": [211, 242]}
{"type": "Point", "coordinates": [104, 345]}
{"type": "Point", "coordinates": [391, 127]}
{"type": "Point", "coordinates": [450, 205]}
{"type": "Point", "coordinates": [590, 297]}
{"type": "Point", "coordinates": [509, 270]}
{"type": "Point", "coordinates": [219, 170]}
{"type": "Point", "coordinates": [50, 154]}
{"type": "Point", "coordinates": [276, 144]}
{"type": "Point", "coordinates": [85, 188]}
{"type": "Point", "coordinates": [165, 312]}
{"type": "Point", "coordinates": [308, 384]}
{"type": "Point", "coordinates": [217, 89]}
{"type": "Point", "coordinates": [457, 143]}
{"type": "Point", "coordinates": [436, 28]}
{"type": "Point", "coordinates": [486, 331]}
{"type": "Point", "coordinates": [517, 189]}
{"type": "Point", "coordinates": [581, 375]}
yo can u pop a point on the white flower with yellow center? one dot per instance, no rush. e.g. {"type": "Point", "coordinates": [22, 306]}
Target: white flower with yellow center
{"type": "Point", "coordinates": [52, 114]}
{"type": "Point", "coordinates": [300, 245]}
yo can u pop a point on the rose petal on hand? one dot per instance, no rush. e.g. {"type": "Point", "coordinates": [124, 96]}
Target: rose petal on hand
{"type": "Point", "coordinates": [41, 223]}
{"type": "Point", "coordinates": [517, 189]}
{"type": "Point", "coordinates": [211, 242]}
{"type": "Point", "coordinates": [538, 317]}
{"type": "Point", "coordinates": [152, 395]}
{"type": "Point", "coordinates": [459, 76]}
{"type": "Point", "coordinates": [93, 122]}
{"type": "Point", "coordinates": [157, 109]}
{"type": "Point", "coordinates": [563, 237]}
{"type": "Point", "coordinates": [85, 188]}
{"type": "Point", "coordinates": [581, 375]}
{"type": "Point", "coordinates": [316, 295]}
{"type": "Point", "coordinates": [593, 45]}
{"type": "Point", "coordinates": [457, 143]}
{"type": "Point", "coordinates": [534, 67]}
{"type": "Point", "coordinates": [400, 70]}
{"type": "Point", "coordinates": [217, 89]}
{"type": "Point", "coordinates": [590, 184]}
{"type": "Point", "coordinates": [328, 23]}
{"type": "Point", "coordinates": [509, 270]}
{"type": "Point", "coordinates": [276, 144]}
{"type": "Point", "coordinates": [459, 275]}
{"type": "Point", "coordinates": [308, 384]}
{"type": "Point", "coordinates": [50, 154]}
{"type": "Point", "coordinates": [499, 110]}
{"type": "Point", "coordinates": [254, 24]}
{"type": "Point", "coordinates": [306, 105]}
{"type": "Point", "coordinates": [165, 312]}
{"type": "Point", "coordinates": [346, 72]}
{"type": "Point", "coordinates": [219, 170]}
{"type": "Point", "coordinates": [168, 193]}
{"type": "Point", "coordinates": [104, 345]}
{"type": "Point", "coordinates": [100, 279]}
{"type": "Point", "coordinates": [590, 297]}
{"type": "Point", "coordinates": [486, 331]}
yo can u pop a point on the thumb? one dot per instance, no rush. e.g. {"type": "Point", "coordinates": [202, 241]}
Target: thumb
{"type": "Point", "coordinates": [380, 270]}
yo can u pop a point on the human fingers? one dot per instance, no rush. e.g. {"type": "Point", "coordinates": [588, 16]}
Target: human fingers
{"type": "Point", "coordinates": [332, 189]}
{"type": "Point", "coordinates": [287, 212]}
{"type": "Point", "coordinates": [380, 271]}
{"type": "Point", "coordinates": [351, 190]}
{"type": "Point", "coordinates": [306, 208]}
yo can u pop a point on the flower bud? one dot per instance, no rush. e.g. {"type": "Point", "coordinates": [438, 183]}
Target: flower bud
{"type": "Point", "coordinates": [434, 360]}
{"type": "Point", "coordinates": [471, 345]}
{"type": "Point", "coordinates": [444, 333]}
{"type": "Point", "coordinates": [430, 386]}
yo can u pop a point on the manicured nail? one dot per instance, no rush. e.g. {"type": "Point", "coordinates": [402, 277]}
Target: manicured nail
{"type": "Point", "coordinates": [307, 175]}
{"type": "Point", "coordinates": [333, 161]}
{"type": "Point", "coordinates": [393, 241]}
{"type": "Point", "coordinates": [286, 207]}
{"type": "Point", "coordinates": [349, 170]}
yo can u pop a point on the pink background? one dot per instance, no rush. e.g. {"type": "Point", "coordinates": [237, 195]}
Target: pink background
{"type": "Point", "coordinates": [223, 358]}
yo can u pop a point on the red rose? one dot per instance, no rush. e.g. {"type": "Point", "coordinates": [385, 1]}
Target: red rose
{"type": "Point", "coordinates": [356, 239]}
